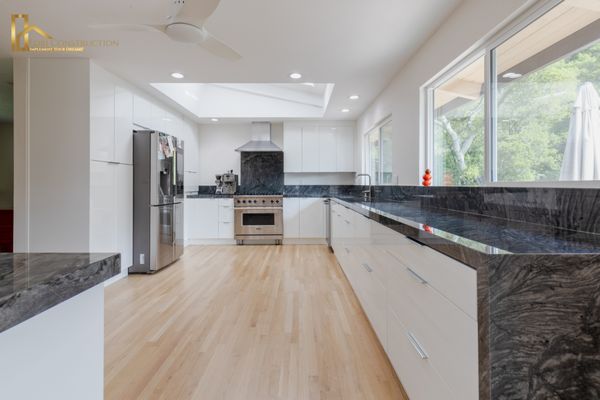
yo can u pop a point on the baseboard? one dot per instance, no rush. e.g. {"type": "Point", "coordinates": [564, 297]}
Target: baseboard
{"type": "Point", "coordinates": [124, 272]}
{"type": "Point", "coordinates": [304, 241]}
{"type": "Point", "coordinates": [196, 242]}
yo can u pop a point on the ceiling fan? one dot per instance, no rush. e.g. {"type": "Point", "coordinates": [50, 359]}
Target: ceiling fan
{"type": "Point", "coordinates": [185, 23]}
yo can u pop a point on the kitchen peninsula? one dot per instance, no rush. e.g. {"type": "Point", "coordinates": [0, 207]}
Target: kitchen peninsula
{"type": "Point", "coordinates": [52, 324]}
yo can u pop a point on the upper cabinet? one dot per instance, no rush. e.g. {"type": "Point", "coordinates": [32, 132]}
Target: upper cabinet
{"type": "Point", "coordinates": [323, 147]}
{"type": "Point", "coordinates": [102, 115]}
{"type": "Point", "coordinates": [123, 126]}
{"type": "Point", "coordinates": [111, 119]}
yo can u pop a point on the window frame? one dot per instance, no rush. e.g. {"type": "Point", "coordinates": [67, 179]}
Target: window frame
{"type": "Point", "coordinates": [486, 48]}
{"type": "Point", "coordinates": [366, 155]}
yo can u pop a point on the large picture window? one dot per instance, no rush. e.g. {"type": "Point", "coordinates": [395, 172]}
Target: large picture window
{"type": "Point", "coordinates": [379, 154]}
{"type": "Point", "coordinates": [543, 119]}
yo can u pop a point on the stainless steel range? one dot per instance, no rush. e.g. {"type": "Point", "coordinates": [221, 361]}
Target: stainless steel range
{"type": "Point", "coordinates": [258, 218]}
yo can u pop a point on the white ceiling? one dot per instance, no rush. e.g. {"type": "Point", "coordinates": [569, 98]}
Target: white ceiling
{"type": "Point", "coordinates": [356, 44]}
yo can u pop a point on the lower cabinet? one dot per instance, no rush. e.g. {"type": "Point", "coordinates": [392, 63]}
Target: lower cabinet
{"type": "Point", "coordinates": [111, 210]}
{"type": "Point", "coordinates": [420, 303]}
{"type": "Point", "coordinates": [208, 219]}
{"type": "Point", "coordinates": [304, 218]}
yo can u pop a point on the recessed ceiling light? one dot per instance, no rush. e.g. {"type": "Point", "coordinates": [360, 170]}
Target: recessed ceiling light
{"type": "Point", "coordinates": [214, 119]}
{"type": "Point", "coordinates": [295, 75]}
{"type": "Point", "coordinates": [177, 75]}
{"type": "Point", "coordinates": [512, 75]}
{"type": "Point", "coordinates": [354, 97]}
{"type": "Point", "coordinates": [345, 110]}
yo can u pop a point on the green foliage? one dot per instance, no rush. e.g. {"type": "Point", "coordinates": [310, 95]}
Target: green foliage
{"type": "Point", "coordinates": [532, 125]}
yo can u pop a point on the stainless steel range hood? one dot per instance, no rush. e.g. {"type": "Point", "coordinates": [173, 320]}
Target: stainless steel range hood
{"type": "Point", "coordinates": [261, 139]}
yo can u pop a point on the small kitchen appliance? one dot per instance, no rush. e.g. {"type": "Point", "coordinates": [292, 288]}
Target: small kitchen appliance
{"type": "Point", "coordinates": [226, 183]}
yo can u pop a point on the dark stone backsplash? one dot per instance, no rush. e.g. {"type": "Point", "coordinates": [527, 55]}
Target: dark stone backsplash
{"type": "Point", "coordinates": [565, 208]}
{"type": "Point", "coordinates": [261, 173]}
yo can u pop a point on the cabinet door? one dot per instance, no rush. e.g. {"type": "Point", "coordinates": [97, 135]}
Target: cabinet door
{"type": "Point", "coordinates": [206, 221]}
{"type": "Point", "coordinates": [124, 214]}
{"type": "Point", "coordinates": [327, 149]}
{"type": "Point", "coordinates": [123, 126]}
{"type": "Point", "coordinates": [142, 112]}
{"type": "Point", "coordinates": [310, 149]}
{"type": "Point", "coordinates": [103, 213]}
{"type": "Point", "coordinates": [291, 217]}
{"type": "Point", "coordinates": [292, 148]}
{"type": "Point", "coordinates": [102, 117]}
{"type": "Point", "coordinates": [312, 218]}
{"type": "Point", "coordinates": [345, 149]}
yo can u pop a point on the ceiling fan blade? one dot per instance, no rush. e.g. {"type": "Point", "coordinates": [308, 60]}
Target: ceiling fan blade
{"type": "Point", "coordinates": [129, 27]}
{"type": "Point", "coordinates": [218, 48]}
{"type": "Point", "coordinates": [197, 11]}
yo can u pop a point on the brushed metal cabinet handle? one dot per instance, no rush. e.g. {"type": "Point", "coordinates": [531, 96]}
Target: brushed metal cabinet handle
{"type": "Point", "coordinates": [416, 276]}
{"type": "Point", "coordinates": [367, 267]}
{"type": "Point", "coordinates": [348, 222]}
{"type": "Point", "coordinates": [347, 251]}
{"type": "Point", "coordinates": [417, 346]}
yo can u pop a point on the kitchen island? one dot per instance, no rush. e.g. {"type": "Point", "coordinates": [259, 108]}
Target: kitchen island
{"type": "Point", "coordinates": [52, 324]}
{"type": "Point", "coordinates": [531, 291]}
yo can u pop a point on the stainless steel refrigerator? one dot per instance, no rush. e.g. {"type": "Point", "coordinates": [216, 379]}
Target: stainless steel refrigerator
{"type": "Point", "coordinates": [157, 201]}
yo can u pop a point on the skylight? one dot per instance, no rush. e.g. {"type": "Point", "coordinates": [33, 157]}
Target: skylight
{"type": "Point", "coordinates": [250, 100]}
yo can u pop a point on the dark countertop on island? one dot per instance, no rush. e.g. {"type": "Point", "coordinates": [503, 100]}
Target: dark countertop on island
{"type": "Point", "coordinates": [31, 283]}
{"type": "Point", "coordinates": [538, 295]}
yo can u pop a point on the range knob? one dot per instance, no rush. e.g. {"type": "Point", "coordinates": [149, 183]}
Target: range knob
{"type": "Point", "coordinates": [244, 201]}
{"type": "Point", "coordinates": [272, 201]}
{"type": "Point", "coordinates": [264, 201]}
{"type": "Point", "coordinates": [277, 201]}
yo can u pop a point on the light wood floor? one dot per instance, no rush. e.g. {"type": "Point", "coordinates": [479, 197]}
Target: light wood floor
{"type": "Point", "coordinates": [252, 322]}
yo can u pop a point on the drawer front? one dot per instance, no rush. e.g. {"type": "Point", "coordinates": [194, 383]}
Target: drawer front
{"type": "Point", "coordinates": [420, 380]}
{"type": "Point", "coordinates": [226, 202]}
{"type": "Point", "coordinates": [226, 230]}
{"type": "Point", "coordinates": [452, 279]}
{"type": "Point", "coordinates": [448, 335]}
{"type": "Point", "coordinates": [373, 301]}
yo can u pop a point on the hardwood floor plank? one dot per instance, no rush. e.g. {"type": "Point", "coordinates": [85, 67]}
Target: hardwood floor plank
{"type": "Point", "coordinates": [243, 322]}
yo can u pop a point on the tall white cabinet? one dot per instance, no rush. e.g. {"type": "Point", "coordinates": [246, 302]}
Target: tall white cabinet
{"type": "Point", "coordinates": [111, 168]}
{"type": "Point", "coordinates": [318, 147]}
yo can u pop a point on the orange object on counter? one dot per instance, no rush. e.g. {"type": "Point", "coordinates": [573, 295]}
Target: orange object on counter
{"type": "Point", "coordinates": [427, 178]}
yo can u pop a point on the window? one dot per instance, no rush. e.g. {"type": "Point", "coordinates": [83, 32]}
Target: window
{"type": "Point", "coordinates": [379, 154]}
{"type": "Point", "coordinates": [542, 79]}
{"type": "Point", "coordinates": [459, 126]}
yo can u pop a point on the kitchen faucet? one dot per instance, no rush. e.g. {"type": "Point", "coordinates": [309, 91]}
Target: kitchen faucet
{"type": "Point", "coordinates": [366, 193]}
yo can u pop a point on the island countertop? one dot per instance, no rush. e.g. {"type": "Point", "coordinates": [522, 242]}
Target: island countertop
{"type": "Point", "coordinates": [31, 283]}
{"type": "Point", "coordinates": [538, 295]}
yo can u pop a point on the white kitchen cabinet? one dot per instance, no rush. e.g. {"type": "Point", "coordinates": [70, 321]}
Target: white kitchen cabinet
{"type": "Point", "coordinates": [111, 211]}
{"type": "Point", "coordinates": [345, 149]}
{"type": "Point", "coordinates": [123, 143]}
{"type": "Point", "coordinates": [124, 204]}
{"type": "Point", "coordinates": [291, 218]}
{"type": "Point", "coordinates": [310, 148]}
{"type": "Point", "coordinates": [226, 217]}
{"type": "Point", "coordinates": [292, 148]}
{"type": "Point", "coordinates": [421, 304]}
{"type": "Point", "coordinates": [328, 149]}
{"type": "Point", "coordinates": [303, 218]}
{"type": "Point", "coordinates": [191, 155]}
{"type": "Point", "coordinates": [102, 116]}
{"type": "Point", "coordinates": [316, 148]}
{"type": "Point", "coordinates": [208, 219]}
{"type": "Point", "coordinates": [311, 218]}
{"type": "Point", "coordinates": [142, 112]}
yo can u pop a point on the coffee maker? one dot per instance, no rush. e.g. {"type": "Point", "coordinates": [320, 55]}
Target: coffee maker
{"type": "Point", "coordinates": [226, 183]}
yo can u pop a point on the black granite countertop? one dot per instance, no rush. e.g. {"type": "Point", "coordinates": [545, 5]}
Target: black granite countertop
{"type": "Point", "coordinates": [487, 235]}
{"type": "Point", "coordinates": [208, 196]}
{"type": "Point", "coordinates": [31, 283]}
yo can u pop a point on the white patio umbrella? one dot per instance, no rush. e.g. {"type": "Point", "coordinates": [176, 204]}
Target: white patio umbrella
{"type": "Point", "coordinates": [581, 160]}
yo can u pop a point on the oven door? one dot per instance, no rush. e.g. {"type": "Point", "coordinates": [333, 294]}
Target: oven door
{"type": "Point", "coordinates": [258, 221]}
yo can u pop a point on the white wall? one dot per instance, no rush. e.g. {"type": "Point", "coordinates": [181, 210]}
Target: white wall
{"type": "Point", "coordinates": [52, 154]}
{"type": "Point", "coordinates": [218, 143]}
{"type": "Point", "coordinates": [464, 29]}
